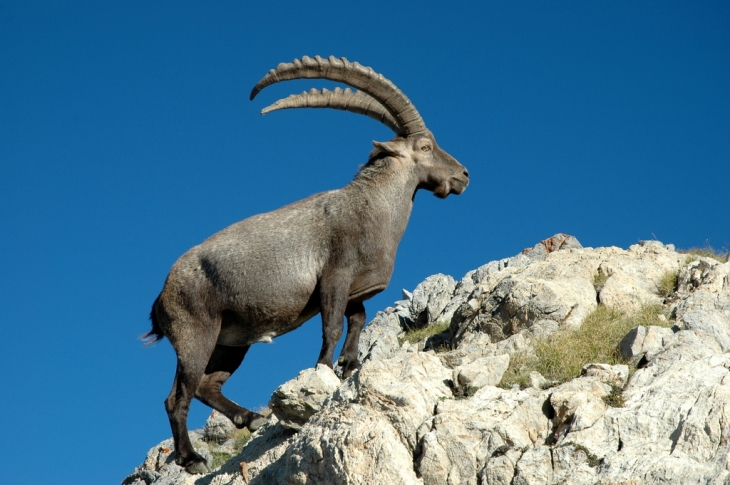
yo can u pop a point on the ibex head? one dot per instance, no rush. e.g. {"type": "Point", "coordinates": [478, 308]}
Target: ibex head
{"type": "Point", "coordinates": [380, 99]}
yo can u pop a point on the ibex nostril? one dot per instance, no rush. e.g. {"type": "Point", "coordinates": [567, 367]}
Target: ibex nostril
{"type": "Point", "coordinates": [466, 173]}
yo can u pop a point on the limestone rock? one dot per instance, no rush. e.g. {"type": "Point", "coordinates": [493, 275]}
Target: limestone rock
{"type": "Point", "coordinates": [430, 298]}
{"type": "Point", "coordinates": [538, 381]}
{"type": "Point", "coordinates": [578, 404]}
{"type": "Point", "coordinates": [555, 243]}
{"type": "Point", "coordinates": [218, 428]}
{"type": "Point", "coordinates": [404, 388]}
{"type": "Point", "coordinates": [352, 444]}
{"type": "Point", "coordinates": [402, 418]}
{"type": "Point", "coordinates": [706, 304]}
{"type": "Point", "coordinates": [634, 275]}
{"type": "Point", "coordinates": [379, 340]}
{"type": "Point", "coordinates": [458, 441]}
{"type": "Point", "coordinates": [485, 371]}
{"type": "Point", "coordinates": [295, 401]}
{"type": "Point", "coordinates": [616, 375]}
{"type": "Point", "coordinates": [534, 467]}
{"type": "Point", "coordinates": [642, 340]}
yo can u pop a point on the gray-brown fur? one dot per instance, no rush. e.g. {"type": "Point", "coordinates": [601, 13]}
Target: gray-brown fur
{"type": "Point", "coordinates": [268, 274]}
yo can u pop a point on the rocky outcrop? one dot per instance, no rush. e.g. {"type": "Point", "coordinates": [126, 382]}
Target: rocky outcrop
{"type": "Point", "coordinates": [434, 412]}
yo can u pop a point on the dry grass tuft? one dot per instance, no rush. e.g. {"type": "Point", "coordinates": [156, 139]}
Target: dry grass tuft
{"type": "Point", "coordinates": [561, 356]}
{"type": "Point", "coordinates": [707, 252]}
{"type": "Point", "coordinates": [667, 283]}
{"type": "Point", "coordinates": [415, 335]}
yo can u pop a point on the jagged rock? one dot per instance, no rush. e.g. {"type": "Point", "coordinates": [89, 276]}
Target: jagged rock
{"type": "Point", "coordinates": [295, 401]}
{"type": "Point", "coordinates": [634, 275]}
{"type": "Point", "coordinates": [573, 465]}
{"type": "Point", "coordinates": [672, 426]}
{"type": "Point", "coordinates": [510, 301]}
{"type": "Point", "coordinates": [430, 298]}
{"type": "Point", "coordinates": [559, 241]}
{"type": "Point", "coordinates": [642, 340]}
{"type": "Point", "coordinates": [404, 417]}
{"type": "Point", "coordinates": [711, 275]}
{"type": "Point", "coordinates": [616, 375]}
{"type": "Point", "coordinates": [485, 371]}
{"type": "Point", "coordinates": [218, 428]}
{"type": "Point", "coordinates": [379, 340]}
{"type": "Point", "coordinates": [500, 467]}
{"type": "Point", "coordinates": [349, 444]}
{"type": "Point", "coordinates": [534, 467]}
{"type": "Point", "coordinates": [706, 305]}
{"type": "Point", "coordinates": [159, 465]}
{"type": "Point", "coordinates": [578, 404]}
{"type": "Point", "coordinates": [460, 438]}
{"type": "Point", "coordinates": [538, 381]}
{"type": "Point", "coordinates": [262, 458]}
{"type": "Point", "coordinates": [404, 388]}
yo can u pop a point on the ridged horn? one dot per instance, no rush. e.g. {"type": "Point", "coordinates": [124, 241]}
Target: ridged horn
{"type": "Point", "coordinates": [343, 99]}
{"type": "Point", "coordinates": [353, 74]}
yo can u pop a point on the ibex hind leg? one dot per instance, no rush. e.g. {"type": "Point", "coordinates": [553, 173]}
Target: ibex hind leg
{"type": "Point", "coordinates": [191, 364]}
{"type": "Point", "coordinates": [222, 364]}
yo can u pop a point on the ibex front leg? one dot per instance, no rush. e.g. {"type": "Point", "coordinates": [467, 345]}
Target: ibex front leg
{"type": "Point", "coordinates": [355, 314]}
{"type": "Point", "coordinates": [333, 302]}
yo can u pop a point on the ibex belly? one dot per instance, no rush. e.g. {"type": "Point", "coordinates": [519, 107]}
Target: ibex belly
{"type": "Point", "coordinates": [265, 311]}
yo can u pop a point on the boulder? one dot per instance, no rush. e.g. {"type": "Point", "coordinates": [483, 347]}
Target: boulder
{"type": "Point", "coordinates": [642, 340]}
{"type": "Point", "coordinates": [295, 401]}
{"type": "Point", "coordinates": [615, 375]}
{"type": "Point", "coordinates": [485, 371]}
{"type": "Point", "coordinates": [430, 298]}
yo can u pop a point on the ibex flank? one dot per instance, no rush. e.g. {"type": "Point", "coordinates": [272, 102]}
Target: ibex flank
{"type": "Point", "coordinates": [268, 274]}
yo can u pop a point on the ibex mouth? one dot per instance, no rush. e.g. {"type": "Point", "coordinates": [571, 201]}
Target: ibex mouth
{"type": "Point", "coordinates": [458, 185]}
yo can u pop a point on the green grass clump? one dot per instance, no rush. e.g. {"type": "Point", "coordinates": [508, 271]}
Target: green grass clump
{"type": "Point", "coordinates": [561, 356]}
{"type": "Point", "coordinates": [667, 284]}
{"type": "Point", "coordinates": [591, 459]}
{"type": "Point", "coordinates": [599, 281]}
{"type": "Point", "coordinates": [415, 335]}
{"type": "Point", "coordinates": [240, 438]}
{"type": "Point", "coordinates": [616, 398]}
{"type": "Point", "coordinates": [219, 459]}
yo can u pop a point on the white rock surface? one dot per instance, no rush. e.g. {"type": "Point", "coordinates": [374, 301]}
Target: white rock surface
{"type": "Point", "coordinates": [485, 371]}
{"type": "Point", "coordinates": [402, 418]}
{"type": "Point", "coordinates": [295, 401]}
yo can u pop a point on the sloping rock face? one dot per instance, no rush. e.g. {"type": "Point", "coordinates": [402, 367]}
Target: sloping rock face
{"type": "Point", "coordinates": [432, 412]}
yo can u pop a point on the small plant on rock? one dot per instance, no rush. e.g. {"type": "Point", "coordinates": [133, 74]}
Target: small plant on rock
{"type": "Point", "coordinates": [706, 252]}
{"type": "Point", "coordinates": [599, 281]}
{"type": "Point", "coordinates": [667, 284]}
{"type": "Point", "coordinates": [616, 398]}
{"type": "Point", "coordinates": [591, 459]}
{"type": "Point", "coordinates": [415, 335]}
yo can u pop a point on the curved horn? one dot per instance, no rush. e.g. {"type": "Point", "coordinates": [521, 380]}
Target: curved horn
{"type": "Point", "coordinates": [344, 99]}
{"type": "Point", "coordinates": [408, 119]}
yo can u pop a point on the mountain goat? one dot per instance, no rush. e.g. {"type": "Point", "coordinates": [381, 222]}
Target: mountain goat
{"type": "Point", "coordinates": [268, 274]}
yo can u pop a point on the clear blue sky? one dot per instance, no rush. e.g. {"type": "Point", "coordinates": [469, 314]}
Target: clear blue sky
{"type": "Point", "coordinates": [127, 137]}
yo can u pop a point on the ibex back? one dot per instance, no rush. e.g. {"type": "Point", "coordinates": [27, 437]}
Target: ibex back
{"type": "Point", "coordinates": [266, 275]}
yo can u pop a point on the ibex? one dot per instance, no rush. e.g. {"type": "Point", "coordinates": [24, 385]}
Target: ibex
{"type": "Point", "coordinates": [268, 274]}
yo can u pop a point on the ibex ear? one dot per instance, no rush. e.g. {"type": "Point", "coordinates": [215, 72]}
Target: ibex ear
{"type": "Point", "coordinates": [389, 147]}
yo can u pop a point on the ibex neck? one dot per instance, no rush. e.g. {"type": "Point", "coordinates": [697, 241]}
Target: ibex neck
{"type": "Point", "coordinates": [387, 191]}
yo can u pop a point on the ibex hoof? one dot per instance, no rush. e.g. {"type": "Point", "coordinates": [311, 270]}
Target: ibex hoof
{"type": "Point", "coordinates": [256, 423]}
{"type": "Point", "coordinates": [198, 467]}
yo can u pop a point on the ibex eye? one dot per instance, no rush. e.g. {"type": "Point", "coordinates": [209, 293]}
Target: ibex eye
{"type": "Point", "coordinates": [426, 148]}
